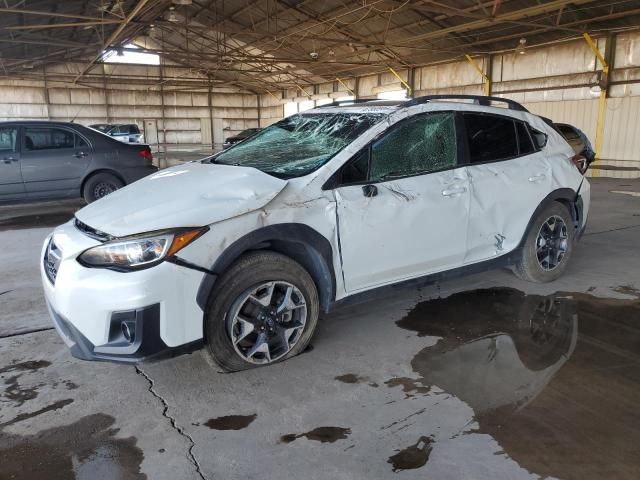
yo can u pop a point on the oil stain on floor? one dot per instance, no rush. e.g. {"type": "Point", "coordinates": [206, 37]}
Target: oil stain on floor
{"type": "Point", "coordinates": [320, 434]}
{"type": "Point", "coordinates": [86, 449]}
{"type": "Point", "coordinates": [554, 379]}
{"type": "Point", "coordinates": [231, 422]}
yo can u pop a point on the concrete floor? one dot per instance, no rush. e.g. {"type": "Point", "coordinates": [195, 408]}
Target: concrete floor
{"type": "Point", "coordinates": [485, 377]}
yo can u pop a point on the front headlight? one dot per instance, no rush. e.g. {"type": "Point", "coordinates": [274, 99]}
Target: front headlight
{"type": "Point", "coordinates": [140, 251]}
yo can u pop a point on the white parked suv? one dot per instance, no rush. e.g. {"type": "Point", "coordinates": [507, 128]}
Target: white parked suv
{"type": "Point", "coordinates": [243, 250]}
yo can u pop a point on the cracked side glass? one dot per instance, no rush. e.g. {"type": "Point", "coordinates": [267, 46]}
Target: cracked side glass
{"type": "Point", "coordinates": [299, 144]}
{"type": "Point", "coordinates": [421, 145]}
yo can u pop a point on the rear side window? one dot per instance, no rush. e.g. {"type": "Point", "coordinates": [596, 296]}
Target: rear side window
{"type": "Point", "coordinates": [524, 139]}
{"type": "Point", "coordinates": [8, 136]}
{"type": "Point", "coordinates": [47, 138]}
{"type": "Point", "coordinates": [419, 146]}
{"type": "Point", "coordinates": [490, 137]}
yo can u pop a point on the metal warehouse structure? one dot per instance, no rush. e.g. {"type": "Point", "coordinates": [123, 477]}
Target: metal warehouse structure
{"type": "Point", "coordinates": [214, 67]}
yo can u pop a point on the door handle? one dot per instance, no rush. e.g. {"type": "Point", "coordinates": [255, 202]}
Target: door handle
{"type": "Point", "coordinates": [452, 192]}
{"type": "Point", "coordinates": [80, 154]}
{"type": "Point", "coordinates": [537, 178]}
{"type": "Point", "coordinates": [369, 190]}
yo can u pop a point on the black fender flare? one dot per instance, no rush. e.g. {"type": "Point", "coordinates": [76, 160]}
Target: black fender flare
{"type": "Point", "coordinates": [298, 241]}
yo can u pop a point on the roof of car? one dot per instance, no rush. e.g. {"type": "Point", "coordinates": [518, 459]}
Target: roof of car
{"type": "Point", "coordinates": [40, 122]}
{"type": "Point", "coordinates": [388, 106]}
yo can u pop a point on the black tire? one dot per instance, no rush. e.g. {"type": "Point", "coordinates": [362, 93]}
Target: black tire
{"type": "Point", "coordinates": [100, 185]}
{"type": "Point", "coordinates": [250, 271]}
{"type": "Point", "coordinates": [529, 267]}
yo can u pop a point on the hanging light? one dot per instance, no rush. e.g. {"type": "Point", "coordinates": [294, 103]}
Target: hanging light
{"type": "Point", "coordinates": [172, 15]}
{"type": "Point", "coordinates": [521, 48]}
{"type": "Point", "coordinates": [120, 52]}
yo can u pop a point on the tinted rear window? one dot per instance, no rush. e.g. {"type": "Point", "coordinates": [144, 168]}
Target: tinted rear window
{"type": "Point", "coordinates": [490, 137]}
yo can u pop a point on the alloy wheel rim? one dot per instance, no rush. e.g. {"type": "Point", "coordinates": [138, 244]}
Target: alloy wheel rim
{"type": "Point", "coordinates": [102, 189]}
{"type": "Point", "coordinates": [551, 243]}
{"type": "Point", "coordinates": [266, 321]}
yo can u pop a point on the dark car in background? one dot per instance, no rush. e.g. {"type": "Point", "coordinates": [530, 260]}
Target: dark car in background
{"type": "Point", "coordinates": [579, 142]}
{"type": "Point", "coordinates": [126, 132]}
{"type": "Point", "coordinates": [50, 160]}
{"type": "Point", "coordinates": [243, 135]}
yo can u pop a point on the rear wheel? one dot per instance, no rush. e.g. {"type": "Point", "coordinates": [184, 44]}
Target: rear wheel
{"type": "Point", "coordinates": [263, 310]}
{"type": "Point", "coordinates": [100, 185]}
{"type": "Point", "coordinates": [548, 246]}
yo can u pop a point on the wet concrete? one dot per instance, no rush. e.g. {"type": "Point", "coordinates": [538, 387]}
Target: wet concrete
{"type": "Point", "coordinates": [83, 450]}
{"type": "Point", "coordinates": [319, 434]}
{"type": "Point", "coordinates": [412, 457]}
{"type": "Point", "coordinates": [230, 422]}
{"type": "Point", "coordinates": [541, 375]}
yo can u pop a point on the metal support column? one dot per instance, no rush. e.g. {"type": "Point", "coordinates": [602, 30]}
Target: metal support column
{"type": "Point", "coordinates": [485, 79]}
{"type": "Point", "coordinates": [602, 102]}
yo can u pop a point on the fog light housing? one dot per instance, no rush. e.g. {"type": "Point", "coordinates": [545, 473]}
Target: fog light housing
{"type": "Point", "coordinates": [128, 331]}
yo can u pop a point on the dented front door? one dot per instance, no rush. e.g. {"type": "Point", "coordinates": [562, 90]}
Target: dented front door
{"type": "Point", "coordinates": [411, 227]}
{"type": "Point", "coordinates": [411, 218]}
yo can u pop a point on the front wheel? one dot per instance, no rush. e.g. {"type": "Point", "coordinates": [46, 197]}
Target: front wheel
{"type": "Point", "coordinates": [263, 310]}
{"type": "Point", "coordinates": [548, 246]}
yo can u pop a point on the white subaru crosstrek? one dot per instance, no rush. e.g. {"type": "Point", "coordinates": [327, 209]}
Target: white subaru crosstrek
{"type": "Point", "coordinates": [243, 250]}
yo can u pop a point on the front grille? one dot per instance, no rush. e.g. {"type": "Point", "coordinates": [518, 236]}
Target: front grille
{"type": "Point", "coordinates": [92, 232]}
{"type": "Point", "coordinates": [51, 260]}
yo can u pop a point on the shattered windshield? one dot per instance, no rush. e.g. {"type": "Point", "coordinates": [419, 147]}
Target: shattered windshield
{"type": "Point", "coordinates": [299, 144]}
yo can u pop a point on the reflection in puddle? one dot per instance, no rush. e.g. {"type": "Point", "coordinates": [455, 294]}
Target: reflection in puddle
{"type": "Point", "coordinates": [560, 403]}
{"type": "Point", "coordinates": [86, 449]}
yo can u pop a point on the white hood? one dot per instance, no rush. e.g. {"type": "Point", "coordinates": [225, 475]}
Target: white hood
{"type": "Point", "coordinates": [189, 195]}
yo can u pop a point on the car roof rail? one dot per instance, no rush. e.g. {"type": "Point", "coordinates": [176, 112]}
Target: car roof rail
{"type": "Point", "coordinates": [377, 101]}
{"type": "Point", "coordinates": [477, 99]}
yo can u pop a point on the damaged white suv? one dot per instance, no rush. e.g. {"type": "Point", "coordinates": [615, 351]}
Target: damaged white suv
{"type": "Point", "coordinates": [241, 251]}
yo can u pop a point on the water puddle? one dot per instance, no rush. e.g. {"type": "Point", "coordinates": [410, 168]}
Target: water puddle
{"type": "Point", "coordinates": [320, 434]}
{"type": "Point", "coordinates": [412, 457]}
{"type": "Point", "coordinates": [14, 392]}
{"type": "Point", "coordinates": [554, 379]}
{"type": "Point", "coordinates": [230, 422]}
{"type": "Point", "coordinates": [84, 450]}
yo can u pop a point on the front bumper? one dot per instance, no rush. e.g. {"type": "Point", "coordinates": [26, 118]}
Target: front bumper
{"type": "Point", "coordinates": [88, 306]}
{"type": "Point", "coordinates": [144, 324]}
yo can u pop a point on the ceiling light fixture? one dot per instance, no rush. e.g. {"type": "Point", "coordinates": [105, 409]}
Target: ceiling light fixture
{"type": "Point", "coordinates": [521, 48]}
{"type": "Point", "coordinates": [182, 2]}
{"type": "Point", "coordinates": [172, 15]}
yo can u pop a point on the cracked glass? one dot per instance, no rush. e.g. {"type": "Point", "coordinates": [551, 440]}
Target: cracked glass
{"type": "Point", "coordinates": [422, 145]}
{"type": "Point", "coordinates": [299, 144]}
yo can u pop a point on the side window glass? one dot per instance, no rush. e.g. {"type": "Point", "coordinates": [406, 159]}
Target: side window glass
{"type": "Point", "coordinates": [8, 138]}
{"type": "Point", "coordinates": [47, 138]}
{"type": "Point", "coordinates": [524, 139]}
{"type": "Point", "coordinates": [356, 169]}
{"type": "Point", "coordinates": [81, 142]}
{"type": "Point", "coordinates": [491, 137]}
{"type": "Point", "coordinates": [421, 145]}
